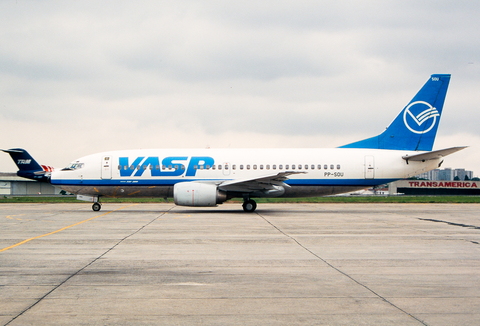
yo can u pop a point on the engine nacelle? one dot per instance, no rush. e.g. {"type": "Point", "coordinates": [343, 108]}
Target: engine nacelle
{"type": "Point", "coordinates": [198, 194]}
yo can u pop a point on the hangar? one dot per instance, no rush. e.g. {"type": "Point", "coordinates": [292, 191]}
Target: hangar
{"type": "Point", "coordinates": [11, 184]}
{"type": "Point", "coordinates": [435, 188]}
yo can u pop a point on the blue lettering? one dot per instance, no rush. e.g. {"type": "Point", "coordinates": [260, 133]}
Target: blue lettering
{"type": "Point", "coordinates": [174, 166]}
{"type": "Point", "coordinates": [196, 162]}
{"type": "Point", "coordinates": [123, 161]}
{"type": "Point", "coordinates": [173, 162]}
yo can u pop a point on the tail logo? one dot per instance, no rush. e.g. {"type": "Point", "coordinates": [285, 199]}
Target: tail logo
{"type": "Point", "coordinates": [416, 116]}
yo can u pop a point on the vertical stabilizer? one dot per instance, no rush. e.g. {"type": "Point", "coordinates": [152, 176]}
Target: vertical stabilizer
{"type": "Point", "coordinates": [416, 126]}
{"type": "Point", "coordinates": [27, 166]}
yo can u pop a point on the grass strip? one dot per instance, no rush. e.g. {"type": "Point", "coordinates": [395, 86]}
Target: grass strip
{"type": "Point", "coordinates": [336, 199]}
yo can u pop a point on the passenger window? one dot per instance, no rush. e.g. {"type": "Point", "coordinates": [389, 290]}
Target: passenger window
{"type": "Point", "coordinates": [207, 167]}
{"type": "Point", "coordinates": [286, 167]}
{"type": "Point", "coordinates": [293, 166]}
{"type": "Point", "coordinates": [261, 166]}
{"type": "Point", "coordinates": [248, 166]}
{"type": "Point", "coordinates": [119, 167]}
{"type": "Point", "coordinates": [280, 167]}
{"type": "Point", "coordinates": [234, 167]}
{"type": "Point", "coordinates": [138, 167]}
{"type": "Point", "coordinates": [241, 166]}
{"type": "Point", "coordinates": [338, 166]}
{"type": "Point", "coordinates": [306, 166]}
{"type": "Point", "coordinates": [131, 167]}
{"type": "Point", "coordinates": [182, 167]}
{"type": "Point", "coordinates": [213, 167]}
{"type": "Point", "coordinates": [219, 167]}
{"type": "Point", "coordinates": [195, 167]}
{"type": "Point", "coordinates": [268, 166]}
{"type": "Point", "coordinates": [150, 167]}
{"type": "Point", "coordinates": [164, 167]}
{"type": "Point", "coordinates": [325, 167]}
{"type": "Point", "coordinates": [201, 167]}
{"type": "Point", "coordinates": [176, 167]}
{"type": "Point", "coordinates": [274, 167]}
{"type": "Point", "coordinates": [312, 167]}
{"type": "Point", "coordinates": [254, 166]}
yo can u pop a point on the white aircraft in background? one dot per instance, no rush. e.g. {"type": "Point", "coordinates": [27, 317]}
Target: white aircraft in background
{"type": "Point", "coordinates": [208, 177]}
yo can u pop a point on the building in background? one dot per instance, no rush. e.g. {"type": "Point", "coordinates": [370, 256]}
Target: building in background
{"type": "Point", "coordinates": [12, 185]}
{"type": "Point", "coordinates": [446, 174]}
{"type": "Point", "coordinates": [437, 182]}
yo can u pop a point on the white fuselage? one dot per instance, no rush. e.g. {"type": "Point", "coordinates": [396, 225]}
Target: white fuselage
{"type": "Point", "coordinates": [154, 172]}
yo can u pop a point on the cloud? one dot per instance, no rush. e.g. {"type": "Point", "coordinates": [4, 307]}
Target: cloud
{"type": "Point", "coordinates": [82, 77]}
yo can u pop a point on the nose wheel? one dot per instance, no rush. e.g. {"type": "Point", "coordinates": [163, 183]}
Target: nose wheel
{"type": "Point", "coordinates": [96, 206]}
{"type": "Point", "coordinates": [249, 205]}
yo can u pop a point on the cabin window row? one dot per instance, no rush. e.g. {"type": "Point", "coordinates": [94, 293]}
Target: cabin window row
{"type": "Point", "coordinates": [234, 167]}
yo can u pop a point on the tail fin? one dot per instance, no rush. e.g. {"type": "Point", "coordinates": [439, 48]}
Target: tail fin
{"type": "Point", "coordinates": [27, 166]}
{"type": "Point", "coordinates": [416, 126]}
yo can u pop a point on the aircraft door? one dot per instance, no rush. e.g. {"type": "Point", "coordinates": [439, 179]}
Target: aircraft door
{"type": "Point", "coordinates": [106, 167]}
{"type": "Point", "coordinates": [369, 167]}
{"type": "Point", "coordinates": [226, 168]}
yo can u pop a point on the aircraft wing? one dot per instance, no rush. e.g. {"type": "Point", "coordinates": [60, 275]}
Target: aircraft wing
{"type": "Point", "coordinates": [433, 155]}
{"type": "Point", "coordinates": [267, 182]}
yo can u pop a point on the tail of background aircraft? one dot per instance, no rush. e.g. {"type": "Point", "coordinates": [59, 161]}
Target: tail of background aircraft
{"type": "Point", "coordinates": [27, 166]}
{"type": "Point", "coordinates": [416, 126]}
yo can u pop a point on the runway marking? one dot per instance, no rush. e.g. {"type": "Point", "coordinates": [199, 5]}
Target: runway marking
{"type": "Point", "coordinates": [10, 217]}
{"type": "Point", "coordinates": [90, 263]}
{"type": "Point", "coordinates": [62, 229]}
{"type": "Point", "coordinates": [182, 215]}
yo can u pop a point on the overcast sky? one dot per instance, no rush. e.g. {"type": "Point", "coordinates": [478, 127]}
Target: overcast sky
{"type": "Point", "coordinates": [80, 77]}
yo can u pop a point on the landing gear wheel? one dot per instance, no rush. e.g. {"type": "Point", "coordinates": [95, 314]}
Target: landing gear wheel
{"type": "Point", "coordinates": [96, 207]}
{"type": "Point", "coordinates": [249, 206]}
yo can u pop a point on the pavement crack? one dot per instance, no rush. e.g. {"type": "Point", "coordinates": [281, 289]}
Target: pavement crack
{"type": "Point", "coordinates": [451, 223]}
{"type": "Point", "coordinates": [87, 265]}
{"type": "Point", "coordinates": [340, 271]}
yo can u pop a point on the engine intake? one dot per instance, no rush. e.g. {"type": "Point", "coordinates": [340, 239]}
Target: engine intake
{"type": "Point", "coordinates": [198, 194]}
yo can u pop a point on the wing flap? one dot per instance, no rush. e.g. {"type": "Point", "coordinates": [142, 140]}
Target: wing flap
{"type": "Point", "coordinates": [267, 182]}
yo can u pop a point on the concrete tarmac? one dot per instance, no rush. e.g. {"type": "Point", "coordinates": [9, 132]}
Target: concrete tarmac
{"type": "Point", "coordinates": [285, 264]}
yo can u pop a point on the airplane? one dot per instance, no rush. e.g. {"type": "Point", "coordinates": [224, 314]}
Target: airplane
{"type": "Point", "coordinates": [209, 177]}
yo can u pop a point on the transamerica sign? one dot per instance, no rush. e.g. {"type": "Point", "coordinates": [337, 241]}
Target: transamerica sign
{"type": "Point", "coordinates": [442, 184]}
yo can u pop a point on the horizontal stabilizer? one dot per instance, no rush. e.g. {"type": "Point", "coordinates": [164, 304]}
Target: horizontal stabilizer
{"type": "Point", "coordinates": [433, 155]}
{"type": "Point", "coordinates": [12, 150]}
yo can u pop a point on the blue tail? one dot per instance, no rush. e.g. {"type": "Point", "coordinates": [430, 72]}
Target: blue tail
{"type": "Point", "coordinates": [416, 126]}
{"type": "Point", "coordinates": [27, 166]}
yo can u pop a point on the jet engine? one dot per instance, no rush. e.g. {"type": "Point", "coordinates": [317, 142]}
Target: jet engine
{"type": "Point", "coordinates": [198, 194]}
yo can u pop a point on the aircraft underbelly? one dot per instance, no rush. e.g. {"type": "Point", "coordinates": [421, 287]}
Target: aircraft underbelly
{"type": "Point", "coordinates": [121, 192]}
{"type": "Point", "coordinates": [167, 191]}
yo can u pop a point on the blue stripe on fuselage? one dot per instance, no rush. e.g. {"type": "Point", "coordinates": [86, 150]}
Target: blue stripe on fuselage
{"type": "Point", "coordinates": [171, 182]}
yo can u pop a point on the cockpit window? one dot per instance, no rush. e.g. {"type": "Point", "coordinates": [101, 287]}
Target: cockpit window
{"type": "Point", "coordinates": [74, 166]}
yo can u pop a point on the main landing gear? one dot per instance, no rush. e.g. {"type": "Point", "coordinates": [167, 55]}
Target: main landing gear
{"type": "Point", "coordinates": [96, 206]}
{"type": "Point", "coordinates": [249, 205]}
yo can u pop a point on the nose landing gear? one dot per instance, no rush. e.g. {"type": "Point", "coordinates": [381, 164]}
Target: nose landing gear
{"type": "Point", "coordinates": [96, 206]}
